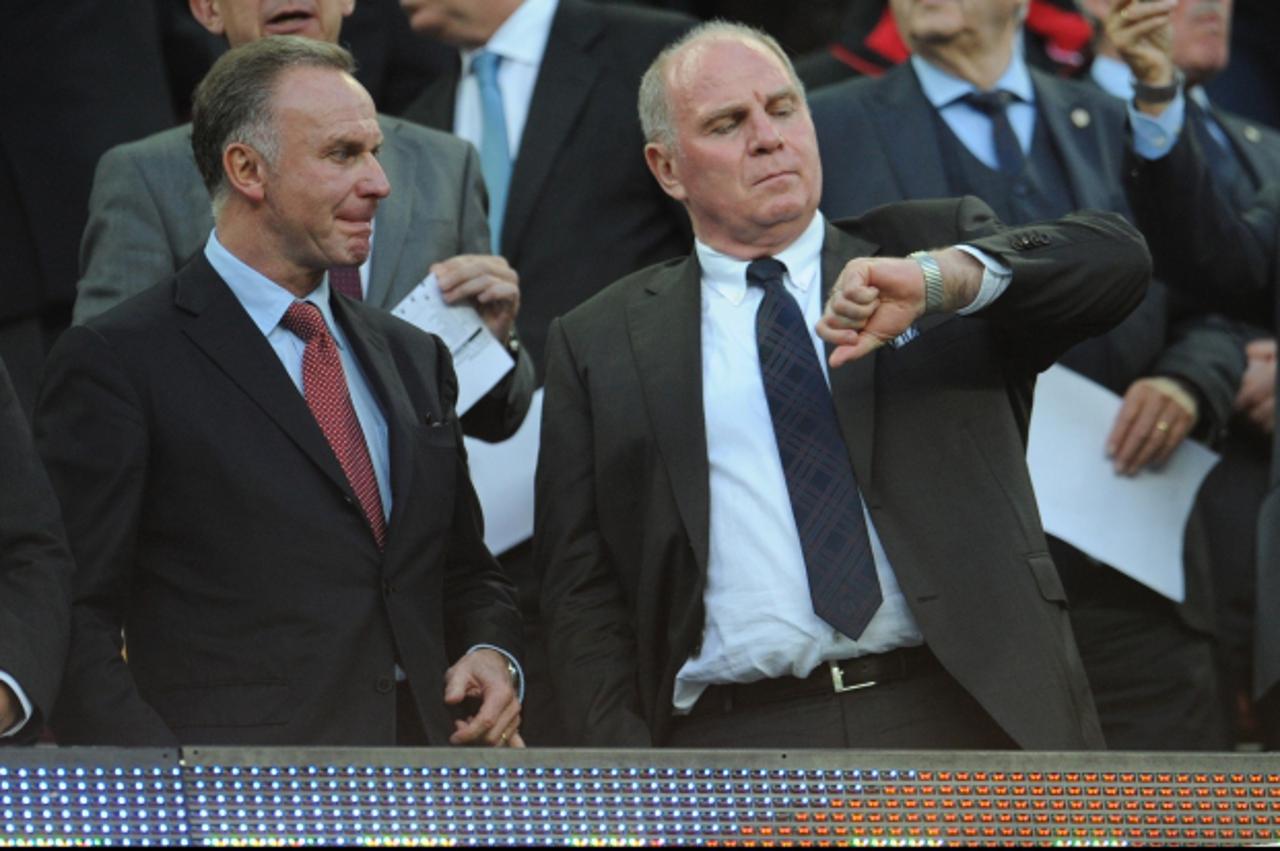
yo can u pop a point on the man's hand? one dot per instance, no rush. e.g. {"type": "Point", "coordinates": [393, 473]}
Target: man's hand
{"type": "Point", "coordinates": [877, 298]}
{"type": "Point", "coordinates": [483, 674]}
{"type": "Point", "coordinates": [1142, 32]}
{"type": "Point", "coordinates": [1155, 417]}
{"type": "Point", "coordinates": [10, 708]}
{"type": "Point", "coordinates": [1256, 401]}
{"type": "Point", "coordinates": [489, 281]}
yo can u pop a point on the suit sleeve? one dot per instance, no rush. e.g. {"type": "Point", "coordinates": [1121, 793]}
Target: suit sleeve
{"type": "Point", "coordinates": [35, 567]}
{"type": "Point", "coordinates": [480, 601]}
{"type": "Point", "coordinates": [1197, 236]}
{"type": "Point", "coordinates": [591, 641]}
{"type": "Point", "coordinates": [501, 411]}
{"type": "Point", "coordinates": [1073, 278]}
{"type": "Point", "coordinates": [125, 248]}
{"type": "Point", "coordinates": [92, 435]}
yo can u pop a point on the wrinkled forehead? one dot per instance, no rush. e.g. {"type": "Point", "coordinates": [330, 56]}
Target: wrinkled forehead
{"type": "Point", "coordinates": [722, 69]}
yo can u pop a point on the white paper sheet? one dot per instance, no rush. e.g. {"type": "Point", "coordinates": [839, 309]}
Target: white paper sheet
{"type": "Point", "coordinates": [503, 477]}
{"type": "Point", "coordinates": [478, 358]}
{"type": "Point", "coordinates": [1134, 524]}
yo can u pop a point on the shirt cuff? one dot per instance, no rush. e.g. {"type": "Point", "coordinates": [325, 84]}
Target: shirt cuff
{"type": "Point", "coordinates": [23, 701]}
{"type": "Point", "coordinates": [514, 663]}
{"type": "Point", "coordinates": [1155, 135]}
{"type": "Point", "coordinates": [995, 279]}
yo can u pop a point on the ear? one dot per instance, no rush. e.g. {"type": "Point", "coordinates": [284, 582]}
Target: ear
{"type": "Point", "coordinates": [246, 171]}
{"type": "Point", "coordinates": [209, 15]}
{"type": "Point", "coordinates": [662, 163]}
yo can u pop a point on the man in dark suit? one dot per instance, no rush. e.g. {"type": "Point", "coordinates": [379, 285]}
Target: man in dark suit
{"type": "Point", "coordinates": [263, 480]}
{"type": "Point", "coordinates": [567, 75]}
{"type": "Point", "coordinates": [35, 578]}
{"type": "Point", "coordinates": [149, 214]}
{"type": "Point", "coordinates": [914, 134]}
{"type": "Point", "coordinates": [733, 554]}
{"type": "Point", "coordinates": [1203, 242]}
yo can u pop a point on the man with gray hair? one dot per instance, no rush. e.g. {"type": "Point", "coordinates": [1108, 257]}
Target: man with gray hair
{"type": "Point", "coordinates": [760, 526]}
{"type": "Point", "coordinates": [264, 483]}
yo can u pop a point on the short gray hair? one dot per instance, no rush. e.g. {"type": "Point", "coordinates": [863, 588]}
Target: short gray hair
{"type": "Point", "coordinates": [654, 102]}
{"type": "Point", "coordinates": [233, 102]}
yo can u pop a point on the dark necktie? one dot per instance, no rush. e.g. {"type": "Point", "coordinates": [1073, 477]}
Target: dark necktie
{"type": "Point", "coordinates": [994, 105]}
{"type": "Point", "coordinates": [346, 280]}
{"type": "Point", "coordinates": [815, 461]}
{"type": "Point", "coordinates": [325, 388]}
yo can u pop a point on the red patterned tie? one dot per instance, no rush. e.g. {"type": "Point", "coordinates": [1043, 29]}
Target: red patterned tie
{"type": "Point", "coordinates": [346, 280]}
{"type": "Point", "coordinates": [325, 388]}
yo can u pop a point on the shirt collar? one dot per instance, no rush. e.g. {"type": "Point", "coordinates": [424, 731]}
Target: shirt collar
{"type": "Point", "coordinates": [522, 37]}
{"type": "Point", "coordinates": [727, 275]}
{"type": "Point", "coordinates": [262, 298]}
{"type": "Point", "coordinates": [942, 88]}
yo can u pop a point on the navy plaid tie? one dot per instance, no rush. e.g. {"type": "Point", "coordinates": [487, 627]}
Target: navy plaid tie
{"type": "Point", "coordinates": [995, 106]}
{"type": "Point", "coordinates": [815, 461]}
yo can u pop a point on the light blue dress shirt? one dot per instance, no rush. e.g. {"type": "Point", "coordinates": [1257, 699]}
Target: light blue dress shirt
{"type": "Point", "coordinates": [266, 302]}
{"type": "Point", "coordinates": [972, 128]}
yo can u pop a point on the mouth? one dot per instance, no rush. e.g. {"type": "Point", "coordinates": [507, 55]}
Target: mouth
{"type": "Point", "coordinates": [774, 176]}
{"type": "Point", "coordinates": [290, 20]}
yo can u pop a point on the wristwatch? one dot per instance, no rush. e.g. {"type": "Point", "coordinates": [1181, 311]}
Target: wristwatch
{"type": "Point", "coordinates": [932, 280]}
{"type": "Point", "coordinates": [1158, 94]}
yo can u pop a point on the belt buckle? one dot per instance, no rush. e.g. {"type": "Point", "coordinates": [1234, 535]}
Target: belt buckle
{"type": "Point", "coordinates": [837, 680]}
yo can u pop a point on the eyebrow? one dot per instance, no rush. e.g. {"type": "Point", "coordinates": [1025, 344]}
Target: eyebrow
{"type": "Point", "coordinates": [790, 92]}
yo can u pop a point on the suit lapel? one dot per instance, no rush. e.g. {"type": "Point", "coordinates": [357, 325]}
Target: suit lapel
{"type": "Point", "coordinates": [666, 341]}
{"type": "Point", "coordinates": [217, 324]}
{"type": "Point", "coordinates": [373, 352]}
{"type": "Point", "coordinates": [565, 79]}
{"type": "Point", "coordinates": [392, 222]}
{"type": "Point", "coordinates": [1076, 134]}
{"type": "Point", "coordinates": [905, 124]}
{"type": "Point", "coordinates": [852, 385]}
{"type": "Point", "coordinates": [1244, 139]}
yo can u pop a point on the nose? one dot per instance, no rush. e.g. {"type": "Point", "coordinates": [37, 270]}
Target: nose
{"type": "Point", "coordinates": [374, 183]}
{"type": "Point", "coordinates": [765, 136]}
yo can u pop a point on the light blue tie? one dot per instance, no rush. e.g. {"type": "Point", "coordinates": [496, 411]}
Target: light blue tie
{"type": "Point", "coordinates": [495, 152]}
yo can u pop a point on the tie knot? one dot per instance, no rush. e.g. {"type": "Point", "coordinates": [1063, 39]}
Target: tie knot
{"type": "Point", "coordinates": [304, 319]}
{"type": "Point", "coordinates": [990, 103]}
{"type": "Point", "coordinates": [485, 66]}
{"type": "Point", "coordinates": [766, 272]}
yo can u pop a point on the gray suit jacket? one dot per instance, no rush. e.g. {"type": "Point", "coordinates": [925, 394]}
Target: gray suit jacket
{"type": "Point", "coordinates": [149, 214]}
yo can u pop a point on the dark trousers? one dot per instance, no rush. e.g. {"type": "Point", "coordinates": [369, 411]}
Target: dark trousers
{"type": "Point", "coordinates": [927, 709]}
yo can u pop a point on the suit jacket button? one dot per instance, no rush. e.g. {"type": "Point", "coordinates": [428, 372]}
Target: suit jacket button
{"type": "Point", "coordinates": [384, 685]}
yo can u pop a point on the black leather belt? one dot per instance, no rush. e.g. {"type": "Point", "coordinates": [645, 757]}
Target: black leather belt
{"type": "Point", "coordinates": [829, 678]}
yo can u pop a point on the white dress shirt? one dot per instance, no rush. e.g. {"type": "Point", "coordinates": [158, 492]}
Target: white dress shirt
{"type": "Point", "coordinates": [760, 621]}
{"type": "Point", "coordinates": [520, 41]}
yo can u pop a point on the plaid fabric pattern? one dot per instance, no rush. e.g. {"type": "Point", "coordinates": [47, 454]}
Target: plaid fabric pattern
{"type": "Point", "coordinates": [324, 386]}
{"type": "Point", "coordinates": [994, 105]}
{"type": "Point", "coordinates": [820, 481]}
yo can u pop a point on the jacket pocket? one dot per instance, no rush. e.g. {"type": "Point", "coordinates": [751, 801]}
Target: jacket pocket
{"type": "Point", "coordinates": [1046, 574]}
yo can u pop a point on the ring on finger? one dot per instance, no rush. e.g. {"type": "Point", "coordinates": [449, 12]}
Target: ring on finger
{"type": "Point", "coordinates": [1162, 426]}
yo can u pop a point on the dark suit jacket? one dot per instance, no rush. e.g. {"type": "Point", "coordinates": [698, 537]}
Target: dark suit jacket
{"type": "Point", "coordinates": [583, 209]}
{"type": "Point", "coordinates": [879, 143]}
{"type": "Point", "coordinates": [35, 566]}
{"type": "Point", "coordinates": [210, 520]}
{"type": "Point", "coordinates": [935, 431]}
{"type": "Point", "coordinates": [1196, 236]}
